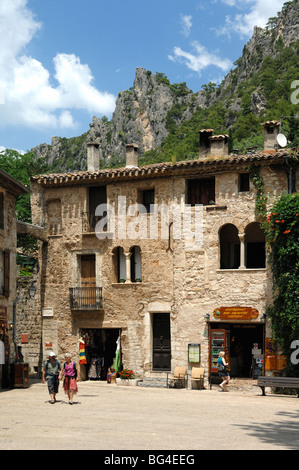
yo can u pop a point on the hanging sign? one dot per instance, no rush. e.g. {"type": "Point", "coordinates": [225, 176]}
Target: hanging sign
{"type": "Point", "coordinates": [235, 313]}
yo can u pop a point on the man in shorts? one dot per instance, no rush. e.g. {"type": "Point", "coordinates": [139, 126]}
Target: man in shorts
{"type": "Point", "coordinates": [51, 375]}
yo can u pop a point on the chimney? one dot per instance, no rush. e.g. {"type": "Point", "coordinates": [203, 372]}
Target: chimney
{"type": "Point", "coordinates": [219, 145]}
{"type": "Point", "coordinates": [93, 156]}
{"type": "Point", "coordinates": [271, 131]}
{"type": "Point", "coordinates": [204, 142]}
{"type": "Point", "coordinates": [131, 156]}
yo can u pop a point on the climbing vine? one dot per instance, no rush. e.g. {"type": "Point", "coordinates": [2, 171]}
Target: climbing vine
{"type": "Point", "coordinates": [281, 229]}
{"type": "Point", "coordinates": [261, 198]}
{"type": "Point", "coordinates": [283, 237]}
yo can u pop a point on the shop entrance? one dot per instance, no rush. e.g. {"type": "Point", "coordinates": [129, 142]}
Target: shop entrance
{"type": "Point", "coordinates": [243, 346]}
{"type": "Point", "coordinates": [99, 345]}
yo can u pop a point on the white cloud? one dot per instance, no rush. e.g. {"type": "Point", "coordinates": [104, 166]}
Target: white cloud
{"type": "Point", "coordinates": [200, 58]}
{"type": "Point", "coordinates": [187, 24]}
{"type": "Point", "coordinates": [28, 98]}
{"type": "Point", "coordinates": [258, 14]}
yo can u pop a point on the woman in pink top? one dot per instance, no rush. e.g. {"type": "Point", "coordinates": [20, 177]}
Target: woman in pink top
{"type": "Point", "coordinates": [69, 371]}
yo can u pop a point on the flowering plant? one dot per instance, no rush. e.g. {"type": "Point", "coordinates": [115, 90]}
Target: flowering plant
{"type": "Point", "coordinates": [127, 374]}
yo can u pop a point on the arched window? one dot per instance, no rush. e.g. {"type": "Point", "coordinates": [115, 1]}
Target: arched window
{"type": "Point", "coordinates": [135, 264]}
{"type": "Point", "coordinates": [229, 247]}
{"type": "Point", "coordinates": [119, 262]}
{"type": "Point", "coordinates": [255, 246]}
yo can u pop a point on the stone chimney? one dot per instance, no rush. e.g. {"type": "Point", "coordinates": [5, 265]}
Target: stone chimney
{"type": "Point", "coordinates": [271, 131]}
{"type": "Point", "coordinates": [204, 142]}
{"type": "Point", "coordinates": [93, 156]}
{"type": "Point", "coordinates": [131, 156]}
{"type": "Point", "coordinates": [219, 145]}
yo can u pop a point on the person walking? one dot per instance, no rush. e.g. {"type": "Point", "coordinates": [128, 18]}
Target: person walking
{"type": "Point", "coordinates": [70, 373]}
{"type": "Point", "coordinates": [51, 375]}
{"type": "Point", "coordinates": [222, 370]}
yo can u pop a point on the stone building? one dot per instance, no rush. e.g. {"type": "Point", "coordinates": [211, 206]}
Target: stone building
{"type": "Point", "coordinates": [166, 258]}
{"type": "Point", "coordinates": [10, 189]}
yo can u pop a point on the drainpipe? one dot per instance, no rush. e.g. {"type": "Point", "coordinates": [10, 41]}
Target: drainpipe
{"type": "Point", "coordinates": [14, 323]}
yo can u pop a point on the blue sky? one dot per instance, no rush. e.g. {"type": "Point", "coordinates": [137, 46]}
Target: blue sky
{"type": "Point", "coordinates": [62, 62]}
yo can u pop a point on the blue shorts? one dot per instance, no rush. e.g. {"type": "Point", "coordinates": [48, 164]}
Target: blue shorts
{"type": "Point", "coordinates": [53, 383]}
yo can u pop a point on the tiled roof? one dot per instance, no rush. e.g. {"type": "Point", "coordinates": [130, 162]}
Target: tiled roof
{"type": "Point", "coordinates": [160, 170]}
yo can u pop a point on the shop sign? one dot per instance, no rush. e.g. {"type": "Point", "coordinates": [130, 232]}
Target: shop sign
{"type": "Point", "coordinates": [235, 313]}
{"type": "Point", "coordinates": [3, 318]}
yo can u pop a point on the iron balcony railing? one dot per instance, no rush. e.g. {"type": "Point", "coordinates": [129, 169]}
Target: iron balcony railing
{"type": "Point", "coordinates": [86, 298]}
{"type": "Point", "coordinates": [89, 222]}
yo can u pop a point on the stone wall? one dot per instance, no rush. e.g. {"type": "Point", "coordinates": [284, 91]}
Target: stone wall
{"type": "Point", "coordinates": [180, 279]}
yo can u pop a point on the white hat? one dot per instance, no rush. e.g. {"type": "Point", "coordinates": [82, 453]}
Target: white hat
{"type": "Point", "coordinates": [51, 354]}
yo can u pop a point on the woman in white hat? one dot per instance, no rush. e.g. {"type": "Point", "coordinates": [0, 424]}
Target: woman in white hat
{"type": "Point", "coordinates": [51, 375]}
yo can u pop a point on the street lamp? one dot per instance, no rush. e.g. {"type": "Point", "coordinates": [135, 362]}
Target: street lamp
{"type": "Point", "coordinates": [207, 317]}
{"type": "Point", "coordinates": [32, 291]}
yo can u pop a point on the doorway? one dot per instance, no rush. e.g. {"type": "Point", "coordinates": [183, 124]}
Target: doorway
{"type": "Point", "coordinates": [100, 350]}
{"type": "Point", "coordinates": [161, 341]}
{"type": "Point", "coordinates": [244, 347]}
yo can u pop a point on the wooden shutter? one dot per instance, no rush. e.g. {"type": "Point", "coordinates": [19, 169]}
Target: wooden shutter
{"type": "Point", "coordinates": [6, 263]}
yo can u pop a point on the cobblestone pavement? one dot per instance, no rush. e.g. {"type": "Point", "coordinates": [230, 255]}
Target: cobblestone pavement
{"type": "Point", "coordinates": [111, 417]}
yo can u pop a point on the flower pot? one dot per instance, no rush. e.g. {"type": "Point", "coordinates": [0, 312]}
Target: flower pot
{"type": "Point", "coordinates": [127, 382]}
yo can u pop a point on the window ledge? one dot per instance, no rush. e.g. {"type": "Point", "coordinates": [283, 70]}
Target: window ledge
{"type": "Point", "coordinates": [241, 270]}
{"type": "Point", "coordinates": [215, 208]}
{"type": "Point", "coordinates": [122, 284]}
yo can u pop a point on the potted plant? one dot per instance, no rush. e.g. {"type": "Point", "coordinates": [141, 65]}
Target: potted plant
{"type": "Point", "coordinates": [126, 377]}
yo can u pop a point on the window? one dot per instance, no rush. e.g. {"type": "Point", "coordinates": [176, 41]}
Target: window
{"type": "Point", "coordinates": [4, 273]}
{"type": "Point", "coordinates": [243, 182]}
{"type": "Point", "coordinates": [229, 247]}
{"type": "Point", "coordinates": [96, 196]}
{"type": "Point", "coordinates": [119, 262]}
{"type": "Point", "coordinates": [135, 264]}
{"type": "Point", "coordinates": [255, 246]}
{"type": "Point", "coordinates": [201, 191]}
{"type": "Point", "coordinates": [148, 198]}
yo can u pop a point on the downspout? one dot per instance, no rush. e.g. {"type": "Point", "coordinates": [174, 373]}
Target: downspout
{"type": "Point", "coordinates": [14, 317]}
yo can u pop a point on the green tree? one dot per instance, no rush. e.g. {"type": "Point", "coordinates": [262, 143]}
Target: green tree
{"type": "Point", "coordinates": [283, 237]}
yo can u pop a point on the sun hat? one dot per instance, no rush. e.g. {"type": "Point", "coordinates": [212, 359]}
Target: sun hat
{"type": "Point", "coordinates": [52, 354]}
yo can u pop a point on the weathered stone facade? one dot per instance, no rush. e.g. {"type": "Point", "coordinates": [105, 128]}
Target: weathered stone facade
{"type": "Point", "coordinates": [10, 189]}
{"type": "Point", "coordinates": [181, 280]}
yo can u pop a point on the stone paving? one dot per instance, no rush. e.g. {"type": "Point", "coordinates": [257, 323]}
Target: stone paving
{"type": "Point", "coordinates": [111, 417]}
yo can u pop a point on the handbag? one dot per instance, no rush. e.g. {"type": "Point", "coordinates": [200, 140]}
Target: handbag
{"type": "Point", "coordinates": [222, 367]}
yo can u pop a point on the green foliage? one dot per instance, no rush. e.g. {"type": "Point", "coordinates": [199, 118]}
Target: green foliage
{"type": "Point", "coordinates": [22, 168]}
{"type": "Point", "coordinates": [283, 236]}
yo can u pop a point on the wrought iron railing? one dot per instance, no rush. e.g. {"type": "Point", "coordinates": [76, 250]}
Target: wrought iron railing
{"type": "Point", "coordinates": [89, 222]}
{"type": "Point", "coordinates": [86, 298]}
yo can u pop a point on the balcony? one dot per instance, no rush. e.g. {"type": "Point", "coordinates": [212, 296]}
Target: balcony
{"type": "Point", "coordinates": [89, 222]}
{"type": "Point", "coordinates": [86, 298]}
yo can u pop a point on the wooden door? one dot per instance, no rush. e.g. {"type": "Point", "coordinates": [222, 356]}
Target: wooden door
{"type": "Point", "coordinates": [88, 279]}
{"type": "Point", "coordinates": [161, 341]}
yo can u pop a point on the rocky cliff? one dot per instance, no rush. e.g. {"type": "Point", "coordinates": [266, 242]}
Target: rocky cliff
{"type": "Point", "coordinates": [146, 112]}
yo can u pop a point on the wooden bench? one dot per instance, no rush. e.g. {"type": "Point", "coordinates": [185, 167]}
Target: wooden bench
{"type": "Point", "coordinates": [281, 382]}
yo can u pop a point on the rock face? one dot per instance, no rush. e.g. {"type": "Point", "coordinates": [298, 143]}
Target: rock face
{"type": "Point", "coordinates": [140, 115]}
{"type": "Point", "coordinates": [144, 112]}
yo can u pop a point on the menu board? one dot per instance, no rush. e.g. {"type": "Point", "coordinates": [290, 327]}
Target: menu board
{"type": "Point", "coordinates": [193, 352]}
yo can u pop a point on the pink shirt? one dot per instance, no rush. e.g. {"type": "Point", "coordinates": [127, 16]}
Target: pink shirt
{"type": "Point", "coordinates": [69, 369]}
